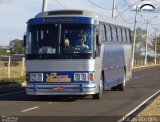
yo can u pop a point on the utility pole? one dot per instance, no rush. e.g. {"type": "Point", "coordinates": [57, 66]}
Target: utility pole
{"type": "Point", "coordinates": [114, 9]}
{"type": "Point", "coordinates": [134, 37]}
{"type": "Point", "coordinates": [45, 5]}
{"type": "Point", "coordinates": [146, 47]}
{"type": "Point", "coordinates": [155, 47]}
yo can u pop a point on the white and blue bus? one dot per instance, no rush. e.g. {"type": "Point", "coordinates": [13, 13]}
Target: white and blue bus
{"type": "Point", "coordinates": [76, 52]}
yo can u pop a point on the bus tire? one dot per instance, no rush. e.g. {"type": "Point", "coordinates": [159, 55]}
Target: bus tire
{"type": "Point", "coordinates": [121, 87]}
{"type": "Point", "coordinates": [42, 97]}
{"type": "Point", "coordinates": [115, 88]}
{"type": "Point", "coordinates": [98, 95]}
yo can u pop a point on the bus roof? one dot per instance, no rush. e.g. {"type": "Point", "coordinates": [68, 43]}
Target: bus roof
{"type": "Point", "coordinates": [82, 13]}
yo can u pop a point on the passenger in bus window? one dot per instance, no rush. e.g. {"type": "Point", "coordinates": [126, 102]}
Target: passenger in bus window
{"type": "Point", "coordinates": [66, 46]}
{"type": "Point", "coordinates": [82, 44]}
{"type": "Point", "coordinates": [66, 43]}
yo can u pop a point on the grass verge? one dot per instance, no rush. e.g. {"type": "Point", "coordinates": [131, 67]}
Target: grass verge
{"type": "Point", "coordinates": [153, 109]}
{"type": "Point", "coordinates": [8, 81]}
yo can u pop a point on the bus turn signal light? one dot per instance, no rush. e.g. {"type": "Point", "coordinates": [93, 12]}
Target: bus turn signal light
{"type": "Point", "coordinates": [91, 77]}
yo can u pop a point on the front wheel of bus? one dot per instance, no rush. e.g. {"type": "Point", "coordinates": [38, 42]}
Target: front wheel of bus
{"type": "Point", "coordinates": [42, 97]}
{"type": "Point", "coordinates": [99, 94]}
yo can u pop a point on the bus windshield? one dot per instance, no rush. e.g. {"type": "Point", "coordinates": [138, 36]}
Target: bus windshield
{"type": "Point", "coordinates": [59, 39]}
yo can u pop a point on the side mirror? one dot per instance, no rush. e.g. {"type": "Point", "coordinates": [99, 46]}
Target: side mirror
{"type": "Point", "coordinates": [98, 46]}
{"type": "Point", "coordinates": [97, 41]}
{"type": "Point", "coordinates": [24, 40]}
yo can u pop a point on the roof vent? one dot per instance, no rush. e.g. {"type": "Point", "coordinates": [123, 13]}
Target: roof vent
{"type": "Point", "coordinates": [65, 12]}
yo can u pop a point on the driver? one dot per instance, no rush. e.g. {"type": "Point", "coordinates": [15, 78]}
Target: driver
{"type": "Point", "coordinates": [82, 41]}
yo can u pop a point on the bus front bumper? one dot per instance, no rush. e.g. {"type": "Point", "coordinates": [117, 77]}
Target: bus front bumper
{"type": "Point", "coordinates": [69, 89]}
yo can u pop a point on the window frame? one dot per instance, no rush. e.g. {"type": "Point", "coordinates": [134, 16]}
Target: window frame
{"type": "Point", "coordinates": [102, 32]}
{"type": "Point", "coordinates": [114, 33]}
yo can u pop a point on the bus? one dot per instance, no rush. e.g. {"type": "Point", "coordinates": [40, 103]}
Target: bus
{"type": "Point", "coordinates": [76, 52]}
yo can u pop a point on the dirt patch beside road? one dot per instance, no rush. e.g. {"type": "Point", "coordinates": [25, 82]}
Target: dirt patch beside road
{"type": "Point", "coordinates": [153, 109]}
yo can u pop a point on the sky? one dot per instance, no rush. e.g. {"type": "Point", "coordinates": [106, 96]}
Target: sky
{"type": "Point", "coordinates": [15, 13]}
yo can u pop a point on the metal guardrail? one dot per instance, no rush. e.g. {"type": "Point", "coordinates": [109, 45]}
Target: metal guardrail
{"type": "Point", "coordinates": [12, 69]}
{"type": "Point", "coordinates": [7, 70]}
{"type": "Point", "coordinates": [139, 63]}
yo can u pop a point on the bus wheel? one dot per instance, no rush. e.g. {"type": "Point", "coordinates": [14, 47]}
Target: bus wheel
{"type": "Point", "coordinates": [99, 94]}
{"type": "Point", "coordinates": [42, 97]}
{"type": "Point", "coordinates": [121, 87]}
{"type": "Point", "coordinates": [115, 88]}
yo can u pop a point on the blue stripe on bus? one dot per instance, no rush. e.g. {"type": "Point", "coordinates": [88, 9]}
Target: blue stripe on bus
{"type": "Point", "coordinates": [78, 20]}
{"type": "Point", "coordinates": [61, 83]}
{"type": "Point", "coordinates": [81, 88]}
{"type": "Point", "coordinates": [67, 74]}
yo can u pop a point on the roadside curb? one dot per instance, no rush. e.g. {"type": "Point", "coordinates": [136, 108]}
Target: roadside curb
{"type": "Point", "coordinates": [132, 114]}
{"type": "Point", "coordinates": [136, 69]}
{"type": "Point", "coordinates": [10, 88]}
{"type": "Point", "coordinates": [144, 67]}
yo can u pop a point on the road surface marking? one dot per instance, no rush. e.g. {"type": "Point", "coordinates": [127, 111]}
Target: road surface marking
{"type": "Point", "coordinates": [140, 105]}
{"type": "Point", "coordinates": [29, 109]}
{"type": "Point", "coordinates": [49, 103]}
{"type": "Point", "coordinates": [11, 93]}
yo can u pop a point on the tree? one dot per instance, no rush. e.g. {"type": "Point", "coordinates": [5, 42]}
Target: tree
{"type": "Point", "coordinates": [140, 39]}
{"type": "Point", "coordinates": [2, 51]}
{"type": "Point", "coordinates": [16, 46]}
{"type": "Point", "coordinates": [158, 43]}
{"type": "Point", "coordinates": [140, 43]}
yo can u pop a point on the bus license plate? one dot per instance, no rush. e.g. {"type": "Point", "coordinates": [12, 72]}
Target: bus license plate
{"type": "Point", "coordinates": [58, 88]}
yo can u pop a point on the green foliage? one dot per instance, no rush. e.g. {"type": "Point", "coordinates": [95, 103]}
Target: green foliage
{"type": "Point", "coordinates": [140, 35]}
{"type": "Point", "coordinates": [7, 81]}
{"type": "Point", "coordinates": [2, 52]}
{"type": "Point", "coordinates": [141, 41]}
{"type": "Point", "coordinates": [13, 63]}
{"type": "Point", "coordinates": [16, 46]}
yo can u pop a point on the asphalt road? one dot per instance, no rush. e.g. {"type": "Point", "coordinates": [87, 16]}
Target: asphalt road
{"type": "Point", "coordinates": [111, 107]}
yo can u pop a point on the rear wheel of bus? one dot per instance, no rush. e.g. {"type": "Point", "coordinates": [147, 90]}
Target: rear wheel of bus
{"type": "Point", "coordinates": [120, 87]}
{"type": "Point", "coordinates": [43, 97]}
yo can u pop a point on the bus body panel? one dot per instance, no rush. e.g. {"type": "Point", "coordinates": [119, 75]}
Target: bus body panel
{"type": "Point", "coordinates": [60, 65]}
{"type": "Point", "coordinates": [127, 53]}
{"type": "Point", "coordinates": [58, 77]}
{"type": "Point", "coordinates": [113, 64]}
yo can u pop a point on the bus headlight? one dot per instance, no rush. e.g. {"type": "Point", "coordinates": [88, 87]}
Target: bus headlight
{"type": "Point", "coordinates": [34, 77]}
{"type": "Point", "coordinates": [81, 77]}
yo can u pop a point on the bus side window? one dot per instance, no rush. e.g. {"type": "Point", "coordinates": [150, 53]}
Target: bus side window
{"type": "Point", "coordinates": [114, 33]}
{"type": "Point", "coordinates": [124, 35]}
{"type": "Point", "coordinates": [128, 36]}
{"type": "Point", "coordinates": [108, 33]}
{"type": "Point", "coordinates": [119, 32]}
{"type": "Point", "coordinates": [98, 44]}
{"type": "Point", "coordinates": [102, 33]}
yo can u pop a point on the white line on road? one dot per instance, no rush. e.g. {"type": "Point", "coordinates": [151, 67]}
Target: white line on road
{"type": "Point", "coordinates": [135, 109]}
{"type": "Point", "coordinates": [11, 93]}
{"type": "Point", "coordinates": [29, 109]}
